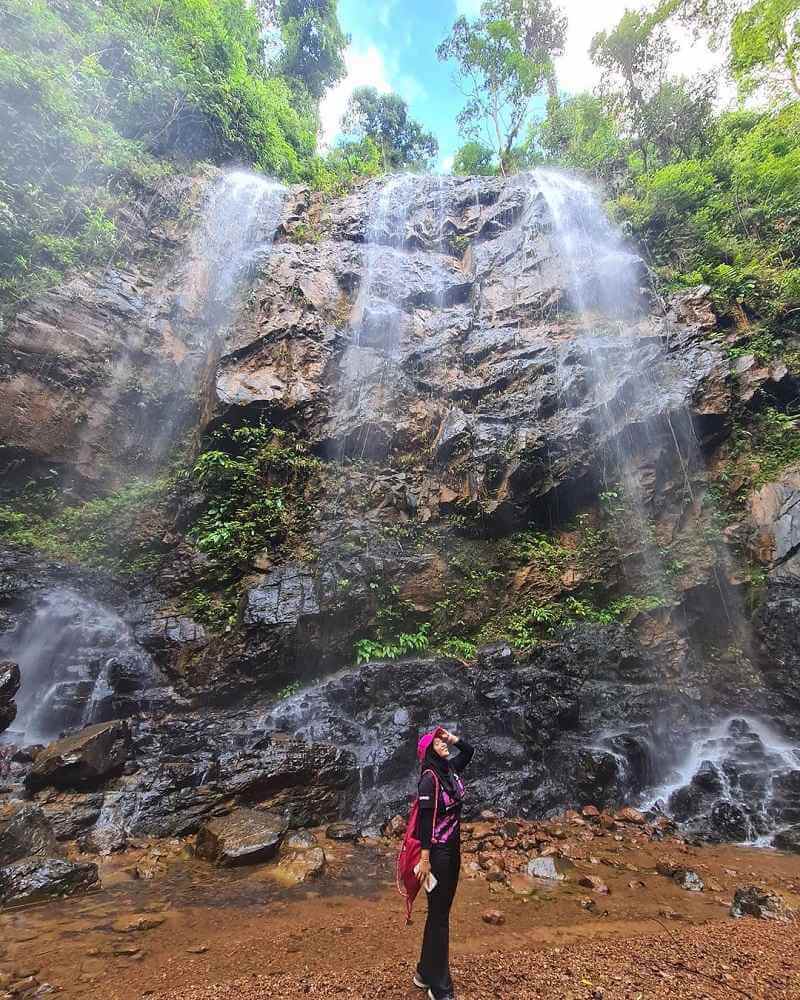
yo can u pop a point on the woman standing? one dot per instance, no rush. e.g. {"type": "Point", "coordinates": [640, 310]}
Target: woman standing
{"type": "Point", "coordinates": [441, 798]}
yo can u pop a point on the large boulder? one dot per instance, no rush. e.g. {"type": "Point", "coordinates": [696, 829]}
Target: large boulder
{"type": "Point", "coordinates": [35, 879]}
{"type": "Point", "coordinates": [89, 757]}
{"type": "Point", "coordinates": [245, 837]}
{"type": "Point", "coordinates": [788, 840]}
{"type": "Point", "coordinates": [24, 832]}
{"type": "Point", "coordinates": [753, 901]}
{"type": "Point", "coordinates": [9, 685]}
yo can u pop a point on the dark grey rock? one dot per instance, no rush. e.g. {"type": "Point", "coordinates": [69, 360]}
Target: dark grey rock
{"type": "Point", "coordinates": [497, 655]}
{"type": "Point", "coordinates": [33, 880]}
{"type": "Point", "coordinates": [752, 901]}
{"type": "Point", "coordinates": [788, 840]}
{"type": "Point", "coordinates": [24, 832]}
{"type": "Point", "coordinates": [730, 821]}
{"type": "Point", "coordinates": [9, 685]}
{"type": "Point", "coordinates": [70, 815]}
{"type": "Point", "coordinates": [86, 758]}
{"type": "Point", "coordinates": [244, 837]}
{"type": "Point", "coordinates": [287, 595]}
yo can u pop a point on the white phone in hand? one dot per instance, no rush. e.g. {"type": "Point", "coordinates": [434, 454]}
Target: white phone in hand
{"type": "Point", "coordinates": [430, 882]}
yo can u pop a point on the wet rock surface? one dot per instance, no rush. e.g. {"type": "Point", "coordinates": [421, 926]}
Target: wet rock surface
{"type": "Point", "coordinates": [91, 367]}
{"type": "Point", "coordinates": [91, 756]}
{"type": "Point", "coordinates": [788, 839]}
{"type": "Point", "coordinates": [775, 525]}
{"type": "Point", "coordinates": [33, 880]}
{"type": "Point", "coordinates": [245, 837]}
{"type": "Point", "coordinates": [434, 348]}
{"type": "Point", "coordinates": [298, 866]}
{"type": "Point", "coordinates": [9, 685]}
{"type": "Point", "coordinates": [24, 832]}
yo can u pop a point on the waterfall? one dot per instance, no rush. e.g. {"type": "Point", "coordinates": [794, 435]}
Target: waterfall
{"type": "Point", "coordinates": [368, 367]}
{"type": "Point", "coordinates": [734, 768]}
{"type": "Point", "coordinates": [79, 664]}
{"type": "Point", "coordinates": [240, 217]}
{"type": "Point", "coordinates": [79, 660]}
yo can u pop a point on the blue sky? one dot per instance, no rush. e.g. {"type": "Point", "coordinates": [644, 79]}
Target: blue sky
{"type": "Point", "coordinates": [393, 47]}
{"type": "Point", "coordinates": [406, 33]}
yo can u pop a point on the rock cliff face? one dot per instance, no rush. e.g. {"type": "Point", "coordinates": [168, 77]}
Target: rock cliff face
{"type": "Point", "coordinates": [101, 375]}
{"type": "Point", "coordinates": [482, 434]}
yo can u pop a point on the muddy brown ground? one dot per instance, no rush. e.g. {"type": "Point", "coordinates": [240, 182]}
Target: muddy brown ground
{"type": "Point", "coordinates": [237, 934]}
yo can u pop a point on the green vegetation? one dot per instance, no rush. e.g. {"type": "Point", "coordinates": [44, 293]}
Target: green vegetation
{"type": "Point", "coordinates": [259, 483]}
{"type": "Point", "coordinates": [532, 548]}
{"type": "Point", "coordinates": [714, 197]}
{"type": "Point", "coordinates": [312, 55]}
{"type": "Point", "coordinates": [98, 101]}
{"type": "Point", "coordinates": [288, 691]}
{"type": "Point", "coordinates": [533, 623]}
{"type": "Point", "coordinates": [461, 649]}
{"type": "Point", "coordinates": [759, 451]}
{"type": "Point", "coordinates": [119, 533]}
{"type": "Point", "coordinates": [503, 59]}
{"type": "Point", "coordinates": [383, 119]}
{"type": "Point", "coordinates": [765, 49]}
{"type": "Point", "coordinates": [220, 612]}
{"type": "Point", "coordinates": [402, 645]}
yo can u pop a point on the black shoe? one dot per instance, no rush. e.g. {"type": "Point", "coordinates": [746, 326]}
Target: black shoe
{"type": "Point", "coordinates": [417, 980]}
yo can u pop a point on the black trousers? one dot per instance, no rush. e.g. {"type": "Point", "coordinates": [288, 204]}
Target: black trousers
{"type": "Point", "coordinates": [434, 963]}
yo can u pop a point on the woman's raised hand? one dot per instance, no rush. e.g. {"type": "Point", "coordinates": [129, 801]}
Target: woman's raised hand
{"type": "Point", "coordinates": [449, 737]}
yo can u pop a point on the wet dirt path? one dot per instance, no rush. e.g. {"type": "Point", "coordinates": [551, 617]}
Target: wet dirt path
{"type": "Point", "coordinates": [195, 926]}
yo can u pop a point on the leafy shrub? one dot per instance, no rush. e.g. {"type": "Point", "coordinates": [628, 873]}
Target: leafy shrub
{"type": "Point", "coordinates": [463, 649]}
{"type": "Point", "coordinates": [119, 533]}
{"type": "Point", "coordinates": [402, 645]}
{"type": "Point", "coordinates": [256, 481]}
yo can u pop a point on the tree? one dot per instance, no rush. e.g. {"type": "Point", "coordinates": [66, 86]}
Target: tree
{"type": "Point", "coordinates": [581, 132]}
{"type": "Point", "coordinates": [384, 119]}
{"type": "Point", "coordinates": [503, 60]}
{"type": "Point", "coordinates": [634, 57]}
{"type": "Point", "coordinates": [474, 159]}
{"type": "Point", "coordinates": [765, 49]}
{"type": "Point", "coordinates": [313, 44]}
{"type": "Point", "coordinates": [677, 121]}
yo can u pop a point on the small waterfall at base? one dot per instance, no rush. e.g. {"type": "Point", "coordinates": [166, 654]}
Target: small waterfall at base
{"type": "Point", "coordinates": [735, 773]}
{"type": "Point", "coordinates": [80, 664]}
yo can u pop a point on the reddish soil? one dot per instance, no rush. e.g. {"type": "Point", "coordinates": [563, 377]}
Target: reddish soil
{"type": "Point", "coordinates": [236, 935]}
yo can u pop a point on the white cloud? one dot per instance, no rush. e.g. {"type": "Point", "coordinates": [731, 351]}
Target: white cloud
{"type": "Point", "coordinates": [446, 164]}
{"type": "Point", "coordinates": [365, 68]}
{"type": "Point", "coordinates": [576, 71]}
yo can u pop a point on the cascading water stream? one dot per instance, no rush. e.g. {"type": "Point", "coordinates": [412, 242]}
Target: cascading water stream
{"type": "Point", "coordinates": [736, 767]}
{"type": "Point", "coordinates": [240, 217]}
{"type": "Point", "coordinates": [79, 660]}
{"type": "Point", "coordinates": [367, 367]}
{"type": "Point", "coordinates": [79, 664]}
